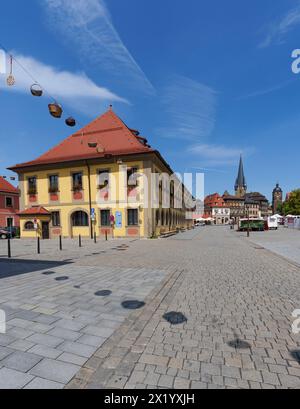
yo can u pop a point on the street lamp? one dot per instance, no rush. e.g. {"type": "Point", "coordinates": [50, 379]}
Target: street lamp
{"type": "Point", "coordinates": [248, 229]}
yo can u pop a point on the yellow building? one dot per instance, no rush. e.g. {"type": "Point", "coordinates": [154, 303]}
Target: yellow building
{"type": "Point", "coordinates": [100, 180]}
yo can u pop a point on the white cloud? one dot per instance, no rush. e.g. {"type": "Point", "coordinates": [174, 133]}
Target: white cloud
{"type": "Point", "coordinates": [87, 25]}
{"type": "Point", "coordinates": [278, 29]}
{"type": "Point", "coordinates": [190, 109]}
{"type": "Point", "coordinates": [75, 88]}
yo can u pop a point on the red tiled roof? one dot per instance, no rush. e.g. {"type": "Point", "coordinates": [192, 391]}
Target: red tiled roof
{"type": "Point", "coordinates": [35, 211]}
{"type": "Point", "coordinates": [214, 200]}
{"type": "Point", "coordinates": [7, 187]}
{"type": "Point", "coordinates": [108, 132]}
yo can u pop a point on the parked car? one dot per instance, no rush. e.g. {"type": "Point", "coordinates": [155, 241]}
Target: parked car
{"type": "Point", "coordinates": [4, 234]}
{"type": "Point", "coordinates": [9, 232]}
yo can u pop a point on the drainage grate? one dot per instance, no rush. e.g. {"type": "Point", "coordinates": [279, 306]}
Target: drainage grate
{"type": "Point", "coordinates": [175, 318]}
{"type": "Point", "coordinates": [133, 304]}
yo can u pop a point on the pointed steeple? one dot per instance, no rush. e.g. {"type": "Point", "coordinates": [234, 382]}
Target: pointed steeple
{"type": "Point", "coordinates": [240, 184]}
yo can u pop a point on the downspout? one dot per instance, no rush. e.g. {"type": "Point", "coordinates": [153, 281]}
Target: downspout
{"type": "Point", "coordinates": [90, 198]}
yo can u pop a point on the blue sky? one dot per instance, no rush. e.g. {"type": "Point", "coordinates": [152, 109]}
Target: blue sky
{"type": "Point", "coordinates": [203, 81]}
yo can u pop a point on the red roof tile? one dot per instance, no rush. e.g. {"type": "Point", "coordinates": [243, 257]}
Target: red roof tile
{"type": "Point", "coordinates": [35, 211]}
{"type": "Point", "coordinates": [105, 135]}
{"type": "Point", "coordinates": [7, 187]}
{"type": "Point", "coordinates": [214, 200]}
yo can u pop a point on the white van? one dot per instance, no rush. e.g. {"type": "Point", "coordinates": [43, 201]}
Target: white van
{"type": "Point", "coordinates": [272, 223]}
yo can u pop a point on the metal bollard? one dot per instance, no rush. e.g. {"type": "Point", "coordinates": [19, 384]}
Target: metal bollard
{"type": "Point", "coordinates": [60, 243]}
{"type": "Point", "coordinates": [95, 238]}
{"type": "Point", "coordinates": [9, 248]}
{"type": "Point", "coordinates": [80, 242]}
{"type": "Point", "coordinates": [38, 246]}
{"type": "Point", "coordinates": [106, 238]}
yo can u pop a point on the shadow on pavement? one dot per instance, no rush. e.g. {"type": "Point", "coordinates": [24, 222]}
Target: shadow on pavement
{"type": "Point", "coordinates": [10, 268]}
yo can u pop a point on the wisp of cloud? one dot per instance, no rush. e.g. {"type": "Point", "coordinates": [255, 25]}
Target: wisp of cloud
{"type": "Point", "coordinates": [88, 26]}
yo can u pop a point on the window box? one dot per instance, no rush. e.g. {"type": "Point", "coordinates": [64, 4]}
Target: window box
{"type": "Point", "coordinates": [54, 197]}
{"type": "Point", "coordinates": [77, 195]}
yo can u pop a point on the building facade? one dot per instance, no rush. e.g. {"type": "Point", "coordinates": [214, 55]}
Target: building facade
{"type": "Point", "coordinates": [236, 205]}
{"type": "Point", "coordinates": [261, 200]}
{"type": "Point", "coordinates": [100, 180]}
{"type": "Point", "coordinates": [215, 207]}
{"type": "Point", "coordinates": [277, 198]}
{"type": "Point", "coordinates": [9, 204]}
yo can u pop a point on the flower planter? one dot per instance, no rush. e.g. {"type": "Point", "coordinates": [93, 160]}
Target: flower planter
{"type": "Point", "coordinates": [77, 195]}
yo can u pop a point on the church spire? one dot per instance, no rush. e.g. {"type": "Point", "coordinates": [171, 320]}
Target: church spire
{"type": "Point", "coordinates": [240, 184]}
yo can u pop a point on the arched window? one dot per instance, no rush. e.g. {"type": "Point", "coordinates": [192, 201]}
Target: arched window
{"type": "Point", "coordinates": [80, 219]}
{"type": "Point", "coordinates": [29, 226]}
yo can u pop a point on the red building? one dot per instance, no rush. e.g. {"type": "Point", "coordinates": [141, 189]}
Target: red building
{"type": "Point", "coordinates": [9, 204]}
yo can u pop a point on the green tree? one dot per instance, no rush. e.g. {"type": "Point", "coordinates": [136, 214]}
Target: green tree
{"type": "Point", "coordinates": [292, 205]}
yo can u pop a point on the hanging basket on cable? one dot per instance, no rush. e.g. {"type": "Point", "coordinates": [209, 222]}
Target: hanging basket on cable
{"type": "Point", "coordinates": [71, 122]}
{"type": "Point", "coordinates": [36, 90]}
{"type": "Point", "coordinates": [55, 110]}
{"type": "Point", "coordinates": [11, 79]}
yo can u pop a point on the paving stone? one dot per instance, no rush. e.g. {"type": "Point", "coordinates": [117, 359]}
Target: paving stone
{"type": "Point", "coordinates": [22, 345]}
{"type": "Point", "coordinates": [180, 383]}
{"type": "Point", "coordinates": [43, 384]}
{"type": "Point", "coordinates": [6, 340]}
{"type": "Point", "coordinates": [72, 359]}
{"type": "Point", "coordinates": [77, 349]}
{"type": "Point", "coordinates": [288, 381]}
{"type": "Point", "coordinates": [65, 334]}
{"type": "Point", "coordinates": [210, 369]}
{"type": "Point", "coordinates": [166, 381]}
{"type": "Point", "coordinates": [270, 378]}
{"type": "Point", "coordinates": [44, 351]}
{"type": "Point", "coordinates": [231, 372]}
{"type": "Point", "coordinates": [152, 379]}
{"type": "Point", "coordinates": [11, 379]}
{"type": "Point", "coordinates": [251, 375]}
{"type": "Point", "coordinates": [56, 371]}
{"type": "Point", "coordinates": [47, 340]}
{"type": "Point", "coordinates": [91, 340]}
{"type": "Point", "coordinates": [4, 352]}
{"type": "Point", "coordinates": [21, 361]}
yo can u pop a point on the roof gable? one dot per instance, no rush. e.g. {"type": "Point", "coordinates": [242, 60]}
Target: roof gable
{"type": "Point", "coordinates": [7, 187]}
{"type": "Point", "coordinates": [106, 135]}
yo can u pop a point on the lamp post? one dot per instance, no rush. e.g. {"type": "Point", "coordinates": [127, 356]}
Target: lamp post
{"type": "Point", "coordinates": [248, 229]}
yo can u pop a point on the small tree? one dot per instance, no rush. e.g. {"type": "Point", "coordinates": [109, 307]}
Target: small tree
{"type": "Point", "coordinates": [292, 205]}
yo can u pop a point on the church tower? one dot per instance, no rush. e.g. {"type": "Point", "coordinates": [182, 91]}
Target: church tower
{"type": "Point", "coordinates": [277, 197]}
{"type": "Point", "coordinates": [240, 184]}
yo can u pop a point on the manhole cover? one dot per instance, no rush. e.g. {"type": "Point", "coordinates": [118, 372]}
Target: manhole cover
{"type": "Point", "coordinates": [62, 278]}
{"type": "Point", "coordinates": [49, 273]}
{"type": "Point", "coordinates": [239, 344]}
{"type": "Point", "coordinates": [103, 293]}
{"type": "Point", "coordinates": [175, 318]}
{"type": "Point", "coordinates": [133, 304]}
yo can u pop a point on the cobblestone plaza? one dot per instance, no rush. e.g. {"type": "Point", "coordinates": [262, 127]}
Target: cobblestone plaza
{"type": "Point", "coordinates": [208, 308]}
